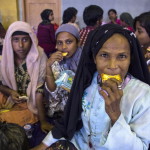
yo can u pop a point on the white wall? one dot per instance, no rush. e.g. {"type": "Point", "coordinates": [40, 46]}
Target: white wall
{"type": "Point", "coordinates": [134, 7]}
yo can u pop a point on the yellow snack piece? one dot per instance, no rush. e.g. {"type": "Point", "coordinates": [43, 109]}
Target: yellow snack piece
{"type": "Point", "coordinates": [106, 77]}
{"type": "Point", "coordinates": [65, 54]}
{"type": "Point", "coordinates": [148, 49]}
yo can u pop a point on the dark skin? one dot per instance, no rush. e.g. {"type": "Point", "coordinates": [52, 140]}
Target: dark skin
{"type": "Point", "coordinates": [113, 58]}
{"type": "Point", "coordinates": [21, 45]}
{"type": "Point", "coordinates": [65, 42]}
{"type": "Point", "coordinates": [112, 100]}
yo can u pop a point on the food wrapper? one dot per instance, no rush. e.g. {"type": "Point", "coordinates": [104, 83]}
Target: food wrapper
{"type": "Point", "coordinates": [56, 69]}
{"type": "Point", "coordinates": [105, 77]}
{"type": "Point", "coordinates": [65, 80]}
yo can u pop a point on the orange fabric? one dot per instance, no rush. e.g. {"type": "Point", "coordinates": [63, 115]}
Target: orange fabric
{"type": "Point", "coordinates": [19, 113]}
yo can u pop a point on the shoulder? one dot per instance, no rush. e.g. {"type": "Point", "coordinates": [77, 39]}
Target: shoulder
{"type": "Point", "coordinates": [137, 85]}
{"type": "Point", "coordinates": [42, 54]}
{"type": "Point", "coordinates": [136, 92]}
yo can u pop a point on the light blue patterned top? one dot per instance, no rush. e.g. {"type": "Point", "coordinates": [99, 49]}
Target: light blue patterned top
{"type": "Point", "coordinates": [130, 132]}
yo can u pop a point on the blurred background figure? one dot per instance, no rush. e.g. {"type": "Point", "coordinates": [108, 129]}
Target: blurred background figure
{"type": "Point", "coordinates": [112, 14]}
{"type": "Point", "coordinates": [2, 35]}
{"type": "Point", "coordinates": [70, 16]}
{"type": "Point", "coordinates": [46, 32]}
{"type": "Point", "coordinates": [127, 21]}
{"type": "Point", "coordinates": [92, 17]}
{"type": "Point", "coordinates": [142, 31]}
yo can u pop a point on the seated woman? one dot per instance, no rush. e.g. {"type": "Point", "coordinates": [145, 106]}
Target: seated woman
{"type": "Point", "coordinates": [107, 113]}
{"type": "Point", "coordinates": [23, 68]}
{"type": "Point", "coordinates": [62, 63]}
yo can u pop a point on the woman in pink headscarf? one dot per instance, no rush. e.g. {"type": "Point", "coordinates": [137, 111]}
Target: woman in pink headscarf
{"type": "Point", "coordinates": [23, 74]}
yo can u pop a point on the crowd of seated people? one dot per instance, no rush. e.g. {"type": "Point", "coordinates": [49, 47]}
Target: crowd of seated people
{"type": "Point", "coordinates": [76, 88]}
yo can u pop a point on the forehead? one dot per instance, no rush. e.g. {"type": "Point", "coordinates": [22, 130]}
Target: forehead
{"type": "Point", "coordinates": [20, 36]}
{"type": "Point", "coordinates": [117, 41]}
{"type": "Point", "coordinates": [64, 35]}
{"type": "Point", "coordinates": [112, 13]}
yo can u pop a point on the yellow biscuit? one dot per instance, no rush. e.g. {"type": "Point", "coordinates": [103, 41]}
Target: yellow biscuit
{"type": "Point", "coordinates": [65, 54]}
{"type": "Point", "coordinates": [106, 77]}
{"type": "Point", "coordinates": [148, 49]}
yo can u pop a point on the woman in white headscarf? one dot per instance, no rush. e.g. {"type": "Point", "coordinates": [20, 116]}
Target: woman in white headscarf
{"type": "Point", "coordinates": [23, 74]}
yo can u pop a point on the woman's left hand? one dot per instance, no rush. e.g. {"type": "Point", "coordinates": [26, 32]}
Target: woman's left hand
{"type": "Point", "coordinates": [112, 98]}
{"type": "Point", "coordinates": [46, 127]}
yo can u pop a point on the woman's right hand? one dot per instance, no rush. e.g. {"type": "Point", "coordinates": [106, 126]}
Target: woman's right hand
{"type": "Point", "coordinates": [57, 56]}
{"type": "Point", "coordinates": [15, 96]}
{"type": "Point", "coordinates": [11, 100]}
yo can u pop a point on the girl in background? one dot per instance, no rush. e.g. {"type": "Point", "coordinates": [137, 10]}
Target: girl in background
{"type": "Point", "coordinates": [142, 31]}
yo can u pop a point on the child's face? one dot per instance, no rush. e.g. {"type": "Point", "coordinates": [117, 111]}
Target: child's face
{"type": "Point", "coordinates": [21, 45]}
{"type": "Point", "coordinates": [66, 42]}
{"type": "Point", "coordinates": [114, 56]}
{"type": "Point", "coordinates": [112, 15]}
{"type": "Point", "coordinates": [142, 35]}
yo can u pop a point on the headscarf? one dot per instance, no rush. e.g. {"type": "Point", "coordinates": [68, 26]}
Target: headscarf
{"type": "Point", "coordinates": [45, 16]}
{"type": "Point", "coordinates": [71, 120]}
{"type": "Point", "coordinates": [68, 28]}
{"type": "Point", "coordinates": [127, 18]}
{"type": "Point", "coordinates": [34, 58]}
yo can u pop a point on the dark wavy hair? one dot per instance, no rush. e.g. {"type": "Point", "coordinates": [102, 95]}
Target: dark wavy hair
{"type": "Point", "coordinates": [68, 14]}
{"type": "Point", "coordinates": [144, 20]}
{"type": "Point", "coordinates": [45, 16]}
{"type": "Point", "coordinates": [113, 10]}
{"type": "Point", "coordinates": [92, 14]}
{"type": "Point", "coordinates": [12, 137]}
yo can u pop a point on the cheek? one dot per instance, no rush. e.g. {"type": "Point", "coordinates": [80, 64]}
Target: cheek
{"type": "Point", "coordinates": [99, 65]}
{"type": "Point", "coordinates": [72, 48]}
{"type": "Point", "coordinates": [28, 47]}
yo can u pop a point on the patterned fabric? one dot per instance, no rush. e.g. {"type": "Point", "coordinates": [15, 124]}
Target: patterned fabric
{"type": "Point", "coordinates": [35, 62]}
{"type": "Point", "coordinates": [58, 98]}
{"type": "Point", "coordinates": [98, 134]}
{"type": "Point", "coordinates": [84, 34]}
{"type": "Point", "coordinates": [23, 79]}
{"type": "Point", "coordinates": [62, 145]}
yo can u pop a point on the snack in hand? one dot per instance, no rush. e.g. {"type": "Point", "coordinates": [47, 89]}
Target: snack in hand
{"type": "Point", "coordinates": [65, 54]}
{"type": "Point", "coordinates": [24, 98]}
{"type": "Point", "coordinates": [106, 77]}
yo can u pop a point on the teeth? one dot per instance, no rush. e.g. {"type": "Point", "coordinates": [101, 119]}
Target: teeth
{"type": "Point", "coordinates": [106, 77]}
{"type": "Point", "coordinates": [65, 54]}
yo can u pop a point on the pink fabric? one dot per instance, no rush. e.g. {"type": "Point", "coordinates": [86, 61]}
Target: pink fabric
{"type": "Point", "coordinates": [35, 60]}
